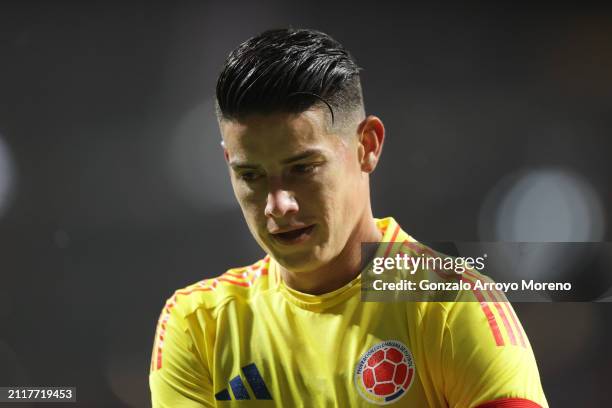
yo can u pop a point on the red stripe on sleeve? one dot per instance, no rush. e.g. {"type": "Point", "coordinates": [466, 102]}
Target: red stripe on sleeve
{"type": "Point", "coordinates": [505, 321]}
{"type": "Point", "coordinates": [510, 403]}
{"type": "Point", "coordinates": [499, 340]}
{"type": "Point", "coordinates": [516, 325]}
{"type": "Point", "coordinates": [501, 298]}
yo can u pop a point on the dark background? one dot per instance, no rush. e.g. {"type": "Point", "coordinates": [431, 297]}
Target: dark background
{"type": "Point", "coordinates": [113, 190]}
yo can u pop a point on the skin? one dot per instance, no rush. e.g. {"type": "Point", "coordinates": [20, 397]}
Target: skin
{"type": "Point", "coordinates": [291, 171]}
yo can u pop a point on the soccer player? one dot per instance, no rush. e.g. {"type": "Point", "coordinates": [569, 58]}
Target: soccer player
{"type": "Point", "coordinates": [291, 330]}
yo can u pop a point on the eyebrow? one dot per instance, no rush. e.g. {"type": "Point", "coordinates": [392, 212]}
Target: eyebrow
{"type": "Point", "coordinates": [300, 156]}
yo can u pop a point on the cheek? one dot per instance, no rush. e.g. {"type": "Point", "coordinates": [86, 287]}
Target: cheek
{"type": "Point", "coordinates": [317, 191]}
{"type": "Point", "coordinates": [249, 201]}
{"type": "Point", "coordinates": [346, 194]}
{"type": "Point", "coordinates": [251, 207]}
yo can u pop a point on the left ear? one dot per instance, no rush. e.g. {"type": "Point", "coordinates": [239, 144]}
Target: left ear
{"type": "Point", "coordinates": [225, 153]}
{"type": "Point", "coordinates": [371, 132]}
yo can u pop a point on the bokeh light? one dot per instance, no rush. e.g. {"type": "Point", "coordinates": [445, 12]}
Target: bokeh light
{"type": "Point", "coordinates": [7, 176]}
{"type": "Point", "coordinates": [546, 205]}
{"type": "Point", "coordinates": [196, 160]}
{"type": "Point", "coordinates": [540, 206]}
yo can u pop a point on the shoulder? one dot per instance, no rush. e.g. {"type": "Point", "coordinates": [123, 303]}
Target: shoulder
{"type": "Point", "coordinates": [236, 284]}
{"type": "Point", "coordinates": [449, 283]}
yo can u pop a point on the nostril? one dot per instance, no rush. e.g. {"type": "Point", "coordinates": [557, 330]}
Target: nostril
{"type": "Point", "coordinates": [280, 203]}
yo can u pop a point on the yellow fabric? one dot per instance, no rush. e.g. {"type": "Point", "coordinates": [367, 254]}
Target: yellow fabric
{"type": "Point", "coordinates": [306, 348]}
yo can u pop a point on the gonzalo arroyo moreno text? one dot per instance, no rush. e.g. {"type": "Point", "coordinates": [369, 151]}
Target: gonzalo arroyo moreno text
{"type": "Point", "coordinates": [458, 265]}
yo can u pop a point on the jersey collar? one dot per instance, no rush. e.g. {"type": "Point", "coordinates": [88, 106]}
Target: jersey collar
{"type": "Point", "coordinates": [392, 236]}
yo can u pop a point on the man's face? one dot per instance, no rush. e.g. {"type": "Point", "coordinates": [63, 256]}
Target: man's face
{"type": "Point", "coordinates": [301, 189]}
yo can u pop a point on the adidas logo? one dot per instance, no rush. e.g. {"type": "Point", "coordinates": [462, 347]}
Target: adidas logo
{"type": "Point", "coordinates": [257, 384]}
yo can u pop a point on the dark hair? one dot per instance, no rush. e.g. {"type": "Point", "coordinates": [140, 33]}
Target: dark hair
{"type": "Point", "coordinates": [289, 71]}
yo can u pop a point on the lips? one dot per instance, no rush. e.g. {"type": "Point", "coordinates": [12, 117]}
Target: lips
{"type": "Point", "coordinates": [293, 236]}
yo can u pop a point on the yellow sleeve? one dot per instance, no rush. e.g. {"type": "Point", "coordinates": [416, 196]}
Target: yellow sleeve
{"type": "Point", "coordinates": [486, 357]}
{"type": "Point", "coordinates": [179, 376]}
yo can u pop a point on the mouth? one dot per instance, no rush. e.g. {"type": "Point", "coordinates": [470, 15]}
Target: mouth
{"type": "Point", "coordinates": [294, 236]}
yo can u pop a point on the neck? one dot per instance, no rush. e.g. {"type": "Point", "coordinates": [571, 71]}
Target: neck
{"type": "Point", "coordinates": [340, 270]}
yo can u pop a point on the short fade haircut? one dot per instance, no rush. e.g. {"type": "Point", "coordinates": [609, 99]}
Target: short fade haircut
{"type": "Point", "coordinates": [289, 71]}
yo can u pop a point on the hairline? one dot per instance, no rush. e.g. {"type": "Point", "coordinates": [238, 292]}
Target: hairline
{"type": "Point", "coordinates": [340, 126]}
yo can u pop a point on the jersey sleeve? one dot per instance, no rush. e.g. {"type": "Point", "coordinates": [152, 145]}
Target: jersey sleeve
{"type": "Point", "coordinates": [486, 358]}
{"type": "Point", "coordinates": [179, 377]}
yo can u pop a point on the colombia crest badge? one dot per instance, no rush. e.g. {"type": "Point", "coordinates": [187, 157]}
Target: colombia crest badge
{"type": "Point", "coordinates": [385, 372]}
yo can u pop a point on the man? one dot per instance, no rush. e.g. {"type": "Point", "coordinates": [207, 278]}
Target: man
{"type": "Point", "coordinates": [291, 330]}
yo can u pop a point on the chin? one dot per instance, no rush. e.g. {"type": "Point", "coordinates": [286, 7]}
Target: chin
{"type": "Point", "coordinates": [297, 262]}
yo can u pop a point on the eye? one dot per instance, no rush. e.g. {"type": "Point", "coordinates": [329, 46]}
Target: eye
{"type": "Point", "coordinates": [306, 168]}
{"type": "Point", "coordinates": [249, 176]}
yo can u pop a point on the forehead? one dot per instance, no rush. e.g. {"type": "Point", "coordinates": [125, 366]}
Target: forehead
{"type": "Point", "coordinates": [277, 135]}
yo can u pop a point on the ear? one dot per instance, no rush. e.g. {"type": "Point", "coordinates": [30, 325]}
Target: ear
{"type": "Point", "coordinates": [225, 153]}
{"type": "Point", "coordinates": [371, 132]}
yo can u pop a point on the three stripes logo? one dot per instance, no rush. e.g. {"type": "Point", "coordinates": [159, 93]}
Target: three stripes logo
{"type": "Point", "coordinates": [255, 381]}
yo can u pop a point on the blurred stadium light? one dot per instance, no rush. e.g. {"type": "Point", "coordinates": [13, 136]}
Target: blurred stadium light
{"type": "Point", "coordinates": [549, 205]}
{"type": "Point", "coordinates": [7, 176]}
{"type": "Point", "coordinates": [196, 160]}
{"type": "Point", "coordinates": [546, 205]}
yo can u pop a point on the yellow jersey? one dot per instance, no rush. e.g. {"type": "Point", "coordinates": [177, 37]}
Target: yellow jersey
{"type": "Point", "coordinates": [246, 339]}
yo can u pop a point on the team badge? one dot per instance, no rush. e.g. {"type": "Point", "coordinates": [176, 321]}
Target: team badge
{"type": "Point", "coordinates": [385, 372]}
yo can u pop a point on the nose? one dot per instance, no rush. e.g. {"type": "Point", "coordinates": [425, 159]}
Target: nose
{"type": "Point", "coordinates": [279, 203]}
